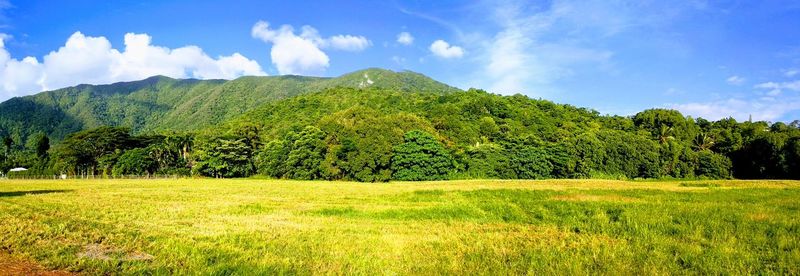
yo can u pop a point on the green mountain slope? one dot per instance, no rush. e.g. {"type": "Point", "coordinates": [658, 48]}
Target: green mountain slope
{"type": "Point", "coordinates": [462, 118]}
{"type": "Point", "coordinates": [161, 103]}
{"type": "Point", "coordinates": [372, 125]}
{"type": "Point", "coordinates": [488, 135]}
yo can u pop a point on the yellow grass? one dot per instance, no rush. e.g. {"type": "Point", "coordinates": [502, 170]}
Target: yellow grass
{"type": "Point", "coordinates": [246, 226]}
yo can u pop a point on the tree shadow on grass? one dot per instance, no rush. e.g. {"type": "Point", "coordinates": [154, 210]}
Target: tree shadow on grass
{"type": "Point", "coordinates": [34, 192]}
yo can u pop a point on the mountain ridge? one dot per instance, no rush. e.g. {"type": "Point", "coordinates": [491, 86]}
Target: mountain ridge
{"type": "Point", "coordinates": [160, 103]}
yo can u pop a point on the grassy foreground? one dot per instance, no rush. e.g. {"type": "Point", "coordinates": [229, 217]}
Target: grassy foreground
{"type": "Point", "coordinates": [453, 227]}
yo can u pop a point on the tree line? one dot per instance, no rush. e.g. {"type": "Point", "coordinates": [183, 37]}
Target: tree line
{"type": "Point", "coordinates": [376, 135]}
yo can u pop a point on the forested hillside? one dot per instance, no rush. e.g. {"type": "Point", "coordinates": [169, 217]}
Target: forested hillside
{"type": "Point", "coordinates": [491, 136]}
{"type": "Point", "coordinates": [377, 125]}
{"type": "Point", "coordinates": [161, 103]}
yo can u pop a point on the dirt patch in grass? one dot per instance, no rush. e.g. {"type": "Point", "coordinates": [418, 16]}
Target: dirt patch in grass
{"type": "Point", "coordinates": [582, 197]}
{"type": "Point", "coordinates": [759, 216]}
{"type": "Point", "coordinates": [102, 252]}
{"type": "Point", "coordinates": [700, 185]}
{"type": "Point", "coordinates": [14, 266]}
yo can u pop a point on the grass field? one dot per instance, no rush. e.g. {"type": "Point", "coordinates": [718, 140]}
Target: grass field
{"type": "Point", "coordinates": [454, 227]}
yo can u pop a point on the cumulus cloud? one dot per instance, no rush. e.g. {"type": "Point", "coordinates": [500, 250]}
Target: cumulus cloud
{"type": "Point", "coordinates": [761, 109]}
{"type": "Point", "coordinates": [735, 80]}
{"type": "Point", "coordinates": [86, 59]}
{"type": "Point", "coordinates": [302, 53]}
{"type": "Point", "coordinates": [292, 54]}
{"type": "Point", "coordinates": [443, 49]}
{"type": "Point", "coordinates": [405, 38]}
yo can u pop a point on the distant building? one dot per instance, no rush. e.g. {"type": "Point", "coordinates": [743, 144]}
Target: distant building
{"type": "Point", "coordinates": [17, 170]}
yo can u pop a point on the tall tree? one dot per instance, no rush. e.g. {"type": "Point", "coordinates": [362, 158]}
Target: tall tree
{"type": "Point", "coordinates": [7, 143]}
{"type": "Point", "coordinates": [421, 157]}
{"type": "Point", "coordinates": [223, 156]}
{"type": "Point", "coordinates": [308, 153]}
{"type": "Point", "coordinates": [79, 152]}
{"type": "Point", "coordinates": [42, 145]}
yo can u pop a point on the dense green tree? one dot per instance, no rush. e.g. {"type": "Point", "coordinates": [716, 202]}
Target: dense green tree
{"type": "Point", "coordinates": [79, 152]}
{"type": "Point", "coordinates": [759, 158]}
{"type": "Point", "coordinates": [305, 159]}
{"type": "Point", "coordinates": [666, 124]}
{"type": "Point", "coordinates": [361, 141]}
{"type": "Point", "coordinates": [630, 155]}
{"type": "Point", "coordinates": [223, 156]}
{"type": "Point", "coordinates": [486, 161]}
{"type": "Point", "coordinates": [791, 159]}
{"type": "Point", "coordinates": [42, 145]}
{"type": "Point", "coordinates": [529, 162]}
{"type": "Point", "coordinates": [136, 161]}
{"type": "Point", "coordinates": [562, 156]}
{"type": "Point", "coordinates": [713, 165]}
{"type": "Point", "coordinates": [106, 163]}
{"type": "Point", "coordinates": [421, 157]}
{"type": "Point", "coordinates": [590, 154]}
{"type": "Point", "coordinates": [271, 160]}
{"type": "Point", "coordinates": [8, 142]}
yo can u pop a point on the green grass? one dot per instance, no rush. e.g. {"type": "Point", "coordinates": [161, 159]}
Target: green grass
{"type": "Point", "coordinates": [453, 227]}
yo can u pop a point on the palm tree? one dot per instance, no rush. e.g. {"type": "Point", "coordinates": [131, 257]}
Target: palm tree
{"type": "Point", "coordinates": [162, 154]}
{"type": "Point", "coordinates": [186, 143]}
{"type": "Point", "coordinates": [181, 144]}
{"type": "Point", "coordinates": [703, 141]}
{"type": "Point", "coordinates": [665, 134]}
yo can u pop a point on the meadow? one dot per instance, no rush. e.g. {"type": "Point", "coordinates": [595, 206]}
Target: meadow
{"type": "Point", "coordinates": [248, 226]}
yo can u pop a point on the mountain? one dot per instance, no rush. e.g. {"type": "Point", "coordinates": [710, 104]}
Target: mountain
{"type": "Point", "coordinates": [161, 103]}
{"type": "Point", "coordinates": [372, 125]}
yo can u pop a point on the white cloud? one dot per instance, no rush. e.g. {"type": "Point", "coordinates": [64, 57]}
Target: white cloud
{"type": "Point", "coordinates": [86, 59]}
{"type": "Point", "coordinates": [768, 104]}
{"type": "Point", "coordinates": [18, 77]}
{"type": "Point", "coordinates": [399, 60]}
{"type": "Point", "coordinates": [539, 43]}
{"type": "Point", "coordinates": [791, 73]}
{"type": "Point", "coordinates": [735, 80]}
{"type": "Point", "coordinates": [509, 65]}
{"type": "Point", "coordinates": [290, 53]}
{"type": "Point", "coordinates": [443, 49]}
{"type": "Point", "coordinates": [302, 54]}
{"type": "Point", "coordinates": [405, 38]}
{"type": "Point", "coordinates": [761, 109]}
{"type": "Point", "coordinates": [536, 47]}
{"type": "Point", "coordinates": [673, 91]}
{"type": "Point", "coordinates": [790, 85]}
{"type": "Point", "coordinates": [349, 43]}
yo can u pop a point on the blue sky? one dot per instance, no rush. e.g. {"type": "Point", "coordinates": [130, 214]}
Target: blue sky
{"type": "Point", "coordinates": [705, 58]}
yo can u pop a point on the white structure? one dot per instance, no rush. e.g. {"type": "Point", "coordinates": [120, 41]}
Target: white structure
{"type": "Point", "coordinates": [17, 170]}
